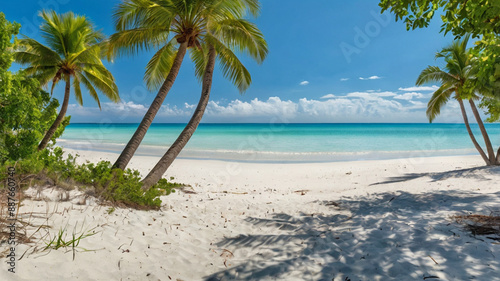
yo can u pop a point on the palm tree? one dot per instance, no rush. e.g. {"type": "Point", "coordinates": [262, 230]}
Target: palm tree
{"type": "Point", "coordinates": [73, 51]}
{"type": "Point", "coordinates": [170, 27]}
{"type": "Point", "coordinates": [237, 33]}
{"type": "Point", "coordinates": [458, 71]}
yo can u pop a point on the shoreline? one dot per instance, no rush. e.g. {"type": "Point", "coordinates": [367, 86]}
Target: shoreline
{"type": "Point", "coordinates": [262, 157]}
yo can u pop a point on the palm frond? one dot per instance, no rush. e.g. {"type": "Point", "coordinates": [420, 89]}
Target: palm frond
{"type": "Point", "coordinates": [132, 14]}
{"type": "Point", "coordinates": [102, 82]}
{"type": "Point", "coordinates": [89, 55]}
{"type": "Point", "coordinates": [30, 51]}
{"type": "Point", "coordinates": [44, 74]}
{"type": "Point", "coordinates": [130, 42]}
{"type": "Point", "coordinates": [434, 74]}
{"type": "Point", "coordinates": [199, 58]}
{"type": "Point", "coordinates": [159, 66]}
{"type": "Point", "coordinates": [241, 35]}
{"type": "Point", "coordinates": [78, 91]}
{"type": "Point", "coordinates": [221, 9]}
{"type": "Point", "coordinates": [90, 88]}
{"type": "Point", "coordinates": [438, 100]}
{"type": "Point", "coordinates": [231, 66]}
{"type": "Point", "coordinates": [68, 33]}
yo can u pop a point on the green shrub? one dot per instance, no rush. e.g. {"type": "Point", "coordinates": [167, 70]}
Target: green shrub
{"type": "Point", "coordinates": [26, 111]}
{"type": "Point", "coordinates": [115, 185]}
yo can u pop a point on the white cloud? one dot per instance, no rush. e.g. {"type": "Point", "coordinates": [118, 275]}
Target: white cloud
{"type": "Point", "coordinates": [410, 96]}
{"type": "Point", "coordinates": [189, 106]}
{"type": "Point", "coordinates": [421, 88]}
{"type": "Point", "coordinates": [344, 79]}
{"type": "Point", "coordinates": [353, 107]}
{"type": "Point", "coordinates": [329, 96]}
{"type": "Point", "coordinates": [375, 77]}
{"type": "Point", "coordinates": [274, 106]}
{"type": "Point", "coordinates": [417, 105]}
{"type": "Point", "coordinates": [370, 95]}
{"type": "Point", "coordinates": [304, 83]}
{"type": "Point", "coordinates": [123, 112]}
{"type": "Point", "coordinates": [350, 110]}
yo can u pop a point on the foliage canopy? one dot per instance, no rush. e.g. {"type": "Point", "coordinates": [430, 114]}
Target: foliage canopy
{"type": "Point", "coordinates": [26, 111]}
{"type": "Point", "coordinates": [479, 18]}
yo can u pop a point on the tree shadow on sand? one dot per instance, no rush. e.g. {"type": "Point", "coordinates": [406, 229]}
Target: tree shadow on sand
{"type": "Point", "coordinates": [477, 173]}
{"type": "Point", "coordinates": [388, 236]}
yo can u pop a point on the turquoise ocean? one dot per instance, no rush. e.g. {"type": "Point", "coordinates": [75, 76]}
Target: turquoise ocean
{"type": "Point", "coordinates": [287, 142]}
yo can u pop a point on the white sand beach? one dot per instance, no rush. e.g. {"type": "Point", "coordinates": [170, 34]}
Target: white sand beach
{"type": "Point", "coordinates": [361, 220]}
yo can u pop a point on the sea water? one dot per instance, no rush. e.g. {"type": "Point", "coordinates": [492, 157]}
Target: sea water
{"type": "Point", "coordinates": [287, 142]}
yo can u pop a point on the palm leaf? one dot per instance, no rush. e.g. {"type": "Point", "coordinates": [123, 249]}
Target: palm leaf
{"type": "Point", "coordinates": [78, 91]}
{"type": "Point", "coordinates": [242, 35]}
{"type": "Point", "coordinates": [434, 74]}
{"type": "Point", "coordinates": [438, 100]}
{"type": "Point", "coordinates": [102, 82]}
{"type": "Point", "coordinates": [130, 42]}
{"type": "Point", "coordinates": [199, 58]}
{"type": "Point", "coordinates": [231, 66]}
{"type": "Point", "coordinates": [30, 51]}
{"type": "Point", "coordinates": [90, 88]}
{"type": "Point", "coordinates": [159, 66]}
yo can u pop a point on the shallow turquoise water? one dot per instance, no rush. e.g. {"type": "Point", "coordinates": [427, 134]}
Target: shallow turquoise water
{"type": "Point", "coordinates": [287, 142]}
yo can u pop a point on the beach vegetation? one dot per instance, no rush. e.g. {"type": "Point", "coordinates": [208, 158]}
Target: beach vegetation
{"type": "Point", "coordinates": [26, 111]}
{"type": "Point", "coordinates": [62, 241]}
{"type": "Point", "coordinates": [224, 37]}
{"type": "Point", "coordinates": [480, 18]}
{"type": "Point", "coordinates": [459, 17]}
{"type": "Point", "coordinates": [171, 28]}
{"type": "Point", "coordinates": [119, 187]}
{"type": "Point", "coordinates": [72, 54]}
{"type": "Point", "coordinates": [456, 79]}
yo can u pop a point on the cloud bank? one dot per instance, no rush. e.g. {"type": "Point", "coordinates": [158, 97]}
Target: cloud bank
{"type": "Point", "coordinates": [366, 107]}
{"type": "Point", "coordinates": [421, 88]}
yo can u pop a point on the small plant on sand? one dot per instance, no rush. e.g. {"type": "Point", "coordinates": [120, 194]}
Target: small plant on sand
{"type": "Point", "coordinates": [61, 240]}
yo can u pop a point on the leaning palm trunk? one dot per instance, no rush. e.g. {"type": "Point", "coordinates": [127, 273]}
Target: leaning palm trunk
{"type": "Point", "coordinates": [471, 135]}
{"type": "Point", "coordinates": [498, 155]}
{"type": "Point", "coordinates": [161, 167]}
{"type": "Point", "coordinates": [148, 118]}
{"type": "Point", "coordinates": [489, 147]}
{"type": "Point", "coordinates": [52, 130]}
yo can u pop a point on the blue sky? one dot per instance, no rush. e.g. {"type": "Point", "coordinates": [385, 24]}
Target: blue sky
{"type": "Point", "coordinates": [329, 61]}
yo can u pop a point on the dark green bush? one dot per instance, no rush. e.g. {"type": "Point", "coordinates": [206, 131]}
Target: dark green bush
{"type": "Point", "coordinates": [115, 185]}
{"type": "Point", "coordinates": [26, 111]}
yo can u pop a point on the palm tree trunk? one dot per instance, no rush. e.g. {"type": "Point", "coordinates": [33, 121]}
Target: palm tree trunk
{"type": "Point", "coordinates": [161, 167]}
{"type": "Point", "coordinates": [148, 118]}
{"type": "Point", "coordinates": [59, 118]}
{"type": "Point", "coordinates": [498, 156]}
{"type": "Point", "coordinates": [471, 135]}
{"type": "Point", "coordinates": [489, 147]}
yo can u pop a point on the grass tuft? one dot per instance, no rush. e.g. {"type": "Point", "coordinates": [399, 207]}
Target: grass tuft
{"type": "Point", "coordinates": [61, 240]}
